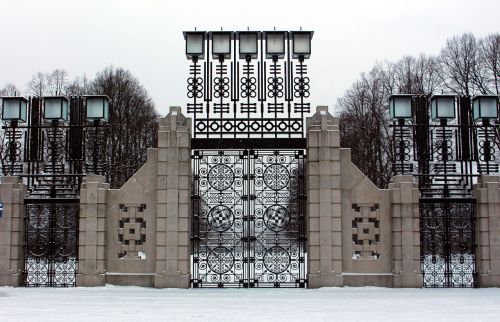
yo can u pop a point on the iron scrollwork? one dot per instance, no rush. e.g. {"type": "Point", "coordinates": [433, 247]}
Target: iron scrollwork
{"type": "Point", "coordinates": [448, 246]}
{"type": "Point", "coordinates": [51, 241]}
{"type": "Point", "coordinates": [244, 97]}
{"type": "Point", "coordinates": [52, 156]}
{"type": "Point", "coordinates": [248, 219]}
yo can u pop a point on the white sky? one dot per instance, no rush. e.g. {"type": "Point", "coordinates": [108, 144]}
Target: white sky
{"type": "Point", "coordinates": [146, 36]}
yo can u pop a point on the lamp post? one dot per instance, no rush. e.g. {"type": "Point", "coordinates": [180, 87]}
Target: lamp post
{"type": "Point", "coordinates": [266, 68]}
{"type": "Point", "coordinates": [400, 110]}
{"type": "Point", "coordinates": [44, 138]}
{"type": "Point", "coordinates": [442, 110]}
{"type": "Point", "coordinates": [97, 112]}
{"type": "Point", "coordinates": [195, 50]}
{"type": "Point", "coordinates": [485, 109]}
{"type": "Point", "coordinates": [14, 111]}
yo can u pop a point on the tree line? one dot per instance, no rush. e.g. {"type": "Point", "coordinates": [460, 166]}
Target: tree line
{"type": "Point", "coordinates": [132, 116]}
{"type": "Point", "coordinates": [466, 65]}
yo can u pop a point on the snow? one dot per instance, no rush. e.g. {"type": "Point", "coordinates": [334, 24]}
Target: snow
{"type": "Point", "coordinates": [128, 303]}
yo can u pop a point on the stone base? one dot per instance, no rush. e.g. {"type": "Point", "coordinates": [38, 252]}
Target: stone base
{"type": "Point", "coordinates": [145, 280]}
{"type": "Point", "coordinates": [489, 280]}
{"type": "Point", "coordinates": [90, 280]}
{"type": "Point", "coordinates": [11, 280]}
{"type": "Point", "coordinates": [172, 281]}
{"type": "Point", "coordinates": [316, 281]}
{"type": "Point", "coordinates": [408, 281]}
{"type": "Point", "coordinates": [359, 280]}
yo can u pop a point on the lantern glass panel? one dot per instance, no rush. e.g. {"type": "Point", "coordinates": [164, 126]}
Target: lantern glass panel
{"type": "Point", "coordinates": [24, 111]}
{"type": "Point", "coordinates": [221, 43]}
{"type": "Point", "coordinates": [194, 44]}
{"type": "Point", "coordinates": [485, 107]}
{"type": "Point", "coordinates": [400, 107]}
{"type": "Point", "coordinates": [248, 43]}
{"type": "Point", "coordinates": [97, 108]}
{"type": "Point", "coordinates": [301, 44]}
{"type": "Point", "coordinates": [443, 107]}
{"type": "Point", "coordinates": [55, 109]}
{"type": "Point", "coordinates": [275, 44]}
{"type": "Point", "coordinates": [14, 110]}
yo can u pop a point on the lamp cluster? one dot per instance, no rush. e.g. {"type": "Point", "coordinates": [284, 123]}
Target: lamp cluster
{"type": "Point", "coordinates": [55, 108]}
{"type": "Point", "coordinates": [248, 44]}
{"type": "Point", "coordinates": [443, 107]}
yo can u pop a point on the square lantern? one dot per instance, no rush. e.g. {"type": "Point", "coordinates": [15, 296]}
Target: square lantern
{"type": "Point", "coordinates": [221, 44]}
{"type": "Point", "coordinates": [248, 41]}
{"type": "Point", "coordinates": [400, 106]}
{"type": "Point", "coordinates": [442, 107]}
{"type": "Point", "coordinates": [302, 44]}
{"type": "Point", "coordinates": [275, 44]}
{"type": "Point", "coordinates": [195, 44]}
{"type": "Point", "coordinates": [55, 108]}
{"type": "Point", "coordinates": [98, 108]}
{"type": "Point", "coordinates": [14, 108]}
{"type": "Point", "coordinates": [485, 107]}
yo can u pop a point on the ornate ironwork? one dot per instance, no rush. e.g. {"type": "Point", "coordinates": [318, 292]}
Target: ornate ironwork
{"type": "Point", "coordinates": [446, 157]}
{"type": "Point", "coordinates": [51, 244]}
{"type": "Point", "coordinates": [241, 97]}
{"type": "Point", "coordinates": [248, 218]}
{"type": "Point", "coordinates": [53, 156]}
{"type": "Point", "coordinates": [448, 243]}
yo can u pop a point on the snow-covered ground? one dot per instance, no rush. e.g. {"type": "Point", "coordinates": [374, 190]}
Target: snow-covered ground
{"type": "Point", "coordinates": [115, 303]}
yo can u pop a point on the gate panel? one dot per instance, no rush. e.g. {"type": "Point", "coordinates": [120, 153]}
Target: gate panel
{"type": "Point", "coordinates": [278, 232]}
{"type": "Point", "coordinates": [51, 240]}
{"type": "Point", "coordinates": [447, 242]}
{"type": "Point", "coordinates": [218, 192]}
{"type": "Point", "coordinates": [248, 219]}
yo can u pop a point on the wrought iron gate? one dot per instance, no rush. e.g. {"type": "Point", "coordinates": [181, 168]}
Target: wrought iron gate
{"type": "Point", "coordinates": [51, 241]}
{"type": "Point", "coordinates": [248, 218]}
{"type": "Point", "coordinates": [447, 242]}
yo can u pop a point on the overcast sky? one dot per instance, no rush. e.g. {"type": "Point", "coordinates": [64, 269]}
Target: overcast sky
{"type": "Point", "coordinates": [145, 36]}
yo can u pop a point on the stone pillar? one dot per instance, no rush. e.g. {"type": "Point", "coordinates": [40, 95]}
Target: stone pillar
{"type": "Point", "coordinates": [487, 193]}
{"type": "Point", "coordinates": [92, 232]}
{"type": "Point", "coordinates": [324, 200]}
{"type": "Point", "coordinates": [12, 192]}
{"type": "Point", "coordinates": [405, 232]}
{"type": "Point", "coordinates": [173, 204]}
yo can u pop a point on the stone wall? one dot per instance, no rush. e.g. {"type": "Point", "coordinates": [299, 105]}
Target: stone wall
{"type": "Point", "coordinates": [358, 234]}
{"type": "Point", "coordinates": [12, 192]}
{"type": "Point", "coordinates": [139, 234]}
{"type": "Point", "coordinates": [487, 193]}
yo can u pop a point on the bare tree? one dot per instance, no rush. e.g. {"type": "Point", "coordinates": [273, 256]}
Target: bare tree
{"type": "Point", "coordinates": [459, 64]}
{"type": "Point", "coordinates": [79, 86]}
{"type": "Point", "coordinates": [56, 82]}
{"type": "Point", "coordinates": [10, 90]}
{"type": "Point", "coordinates": [37, 86]}
{"type": "Point", "coordinates": [364, 126]}
{"type": "Point", "coordinates": [132, 122]}
{"type": "Point", "coordinates": [465, 67]}
{"type": "Point", "coordinates": [489, 55]}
